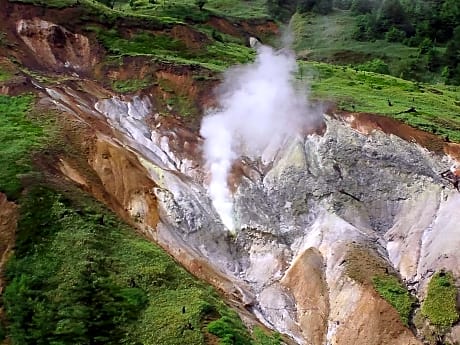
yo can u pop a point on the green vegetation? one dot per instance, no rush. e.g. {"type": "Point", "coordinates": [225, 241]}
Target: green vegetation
{"type": "Point", "coordinates": [229, 330]}
{"type": "Point", "coordinates": [440, 304]}
{"type": "Point", "coordinates": [80, 276]}
{"type": "Point", "coordinates": [189, 10]}
{"type": "Point", "coordinates": [330, 39]}
{"type": "Point", "coordinates": [262, 338]}
{"type": "Point", "coordinates": [4, 75]}
{"type": "Point", "coordinates": [418, 40]}
{"type": "Point", "coordinates": [395, 293]}
{"type": "Point", "coordinates": [130, 85]}
{"type": "Point", "coordinates": [366, 266]}
{"type": "Point", "coordinates": [19, 136]}
{"type": "Point", "coordinates": [216, 56]}
{"type": "Point", "coordinates": [437, 106]}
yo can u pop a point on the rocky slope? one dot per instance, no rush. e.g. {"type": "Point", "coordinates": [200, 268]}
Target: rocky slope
{"type": "Point", "coordinates": [329, 209]}
{"type": "Point", "coordinates": [314, 226]}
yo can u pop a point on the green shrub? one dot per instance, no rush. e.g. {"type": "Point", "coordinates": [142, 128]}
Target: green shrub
{"type": "Point", "coordinates": [375, 65]}
{"type": "Point", "coordinates": [229, 330]}
{"type": "Point", "coordinates": [440, 304]}
{"type": "Point", "coordinates": [395, 293]}
{"type": "Point", "coordinates": [130, 85]}
{"type": "Point", "coordinates": [262, 338]}
{"type": "Point", "coordinates": [395, 35]}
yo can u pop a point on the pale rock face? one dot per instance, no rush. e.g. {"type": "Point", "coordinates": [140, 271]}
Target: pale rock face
{"type": "Point", "coordinates": [298, 219]}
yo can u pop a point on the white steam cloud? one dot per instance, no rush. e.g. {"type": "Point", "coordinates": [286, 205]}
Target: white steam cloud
{"type": "Point", "coordinates": [259, 109]}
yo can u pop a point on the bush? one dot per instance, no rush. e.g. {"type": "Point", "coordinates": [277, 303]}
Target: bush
{"type": "Point", "coordinates": [395, 293]}
{"type": "Point", "coordinates": [395, 35]}
{"type": "Point", "coordinates": [261, 338]}
{"type": "Point", "coordinates": [375, 65]}
{"type": "Point", "coordinates": [440, 304]}
{"type": "Point", "coordinates": [228, 329]}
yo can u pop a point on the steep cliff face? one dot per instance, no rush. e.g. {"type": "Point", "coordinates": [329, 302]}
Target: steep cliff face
{"type": "Point", "coordinates": [314, 226]}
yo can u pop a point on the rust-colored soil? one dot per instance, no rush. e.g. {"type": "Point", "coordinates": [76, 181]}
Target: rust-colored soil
{"type": "Point", "coordinates": [244, 29]}
{"type": "Point", "coordinates": [380, 325]}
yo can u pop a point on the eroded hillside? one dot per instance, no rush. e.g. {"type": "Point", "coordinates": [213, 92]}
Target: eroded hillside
{"type": "Point", "coordinates": [338, 237]}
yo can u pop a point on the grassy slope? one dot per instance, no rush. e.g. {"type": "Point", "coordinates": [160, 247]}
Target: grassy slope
{"type": "Point", "coordinates": [216, 56]}
{"type": "Point", "coordinates": [438, 106]}
{"type": "Point", "coordinates": [330, 39]}
{"type": "Point", "coordinates": [51, 261]}
{"type": "Point", "coordinates": [187, 8]}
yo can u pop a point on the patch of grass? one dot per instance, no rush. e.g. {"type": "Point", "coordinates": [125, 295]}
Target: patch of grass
{"type": "Point", "coordinates": [438, 107]}
{"type": "Point", "coordinates": [19, 136]}
{"type": "Point", "coordinates": [239, 9]}
{"type": "Point", "coordinates": [440, 304]}
{"type": "Point", "coordinates": [140, 44]}
{"type": "Point", "coordinates": [130, 85]}
{"type": "Point", "coordinates": [182, 105]}
{"type": "Point", "coordinates": [395, 293]}
{"type": "Point", "coordinates": [4, 75]}
{"type": "Point", "coordinates": [6, 69]}
{"type": "Point", "coordinates": [262, 338]}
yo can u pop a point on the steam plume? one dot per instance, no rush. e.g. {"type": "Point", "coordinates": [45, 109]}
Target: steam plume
{"type": "Point", "coordinates": [259, 109]}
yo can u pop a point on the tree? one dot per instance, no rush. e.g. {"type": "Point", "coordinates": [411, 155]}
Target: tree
{"type": "Point", "coordinates": [452, 58]}
{"type": "Point", "coordinates": [108, 3]}
{"type": "Point", "coordinates": [342, 4]}
{"type": "Point", "coordinates": [392, 11]}
{"type": "Point", "coordinates": [323, 6]}
{"type": "Point", "coordinates": [317, 6]}
{"type": "Point", "coordinates": [305, 5]}
{"type": "Point", "coordinates": [201, 3]}
{"type": "Point", "coordinates": [94, 309]}
{"type": "Point", "coordinates": [362, 6]}
{"type": "Point", "coordinates": [281, 9]}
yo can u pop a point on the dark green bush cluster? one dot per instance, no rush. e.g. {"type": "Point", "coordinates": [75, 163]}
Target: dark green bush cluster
{"type": "Point", "coordinates": [440, 304]}
{"type": "Point", "coordinates": [395, 293]}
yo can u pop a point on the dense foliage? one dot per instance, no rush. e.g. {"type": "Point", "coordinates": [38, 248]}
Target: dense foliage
{"type": "Point", "coordinates": [440, 304]}
{"type": "Point", "coordinates": [19, 135]}
{"type": "Point", "coordinates": [395, 293]}
{"type": "Point", "coordinates": [426, 24]}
